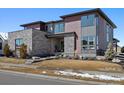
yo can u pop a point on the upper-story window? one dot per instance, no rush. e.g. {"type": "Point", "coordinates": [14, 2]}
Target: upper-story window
{"type": "Point", "coordinates": [18, 42]}
{"type": "Point", "coordinates": [50, 27]}
{"type": "Point", "coordinates": [107, 30]}
{"type": "Point", "coordinates": [59, 27]}
{"type": "Point", "coordinates": [87, 20]}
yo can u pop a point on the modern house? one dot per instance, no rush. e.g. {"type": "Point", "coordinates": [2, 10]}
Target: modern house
{"type": "Point", "coordinates": [3, 41]}
{"type": "Point", "coordinates": [82, 34]}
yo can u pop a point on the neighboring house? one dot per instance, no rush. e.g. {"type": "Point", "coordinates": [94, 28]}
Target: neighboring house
{"type": "Point", "coordinates": [116, 47]}
{"type": "Point", "coordinates": [82, 33]}
{"type": "Point", "coordinates": [3, 41]}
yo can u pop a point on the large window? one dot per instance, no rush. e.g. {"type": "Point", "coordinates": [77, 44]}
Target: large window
{"type": "Point", "coordinates": [49, 27]}
{"type": "Point", "coordinates": [107, 29]}
{"type": "Point", "coordinates": [18, 42]}
{"type": "Point", "coordinates": [85, 41]}
{"type": "Point", "coordinates": [0, 45]}
{"type": "Point", "coordinates": [88, 42]}
{"type": "Point", "coordinates": [58, 27]}
{"type": "Point", "coordinates": [87, 20]}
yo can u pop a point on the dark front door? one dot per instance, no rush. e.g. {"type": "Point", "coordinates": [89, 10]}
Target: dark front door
{"type": "Point", "coordinates": [62, 46]}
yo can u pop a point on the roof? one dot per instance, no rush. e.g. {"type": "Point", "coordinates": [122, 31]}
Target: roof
{"type": "Point", "coordinates": [61, 34]}
{"type": "Point", "coordinates": [40, 22]}
{"type": "Point", "coordinates": [32, 23]}
{"type": "Point", "coordinates": [115, 40]}
{"type": "Point", "coordinates": [3, 35]}
{"type": "Point", "coordinates": [89, 11]}
{"type": "Point", "coordinates": [54, 21]}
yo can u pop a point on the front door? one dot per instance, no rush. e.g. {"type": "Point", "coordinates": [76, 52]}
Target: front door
{"type": "Point", "coordinates": [62, 46]}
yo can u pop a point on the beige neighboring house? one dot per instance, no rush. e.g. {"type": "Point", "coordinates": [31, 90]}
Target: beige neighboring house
{"type": "Point", "coordinates": [3, 41]}
{"type": "Point", "coordinates": [116, 47]}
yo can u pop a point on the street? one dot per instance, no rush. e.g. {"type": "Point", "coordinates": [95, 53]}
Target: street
{"type": "Point", "coordinates": [8, 78]}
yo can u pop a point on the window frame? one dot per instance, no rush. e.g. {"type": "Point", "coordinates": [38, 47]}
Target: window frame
{"type": "Point", "coordinates": [50, 27]}
{"type": "Point", "coordinates": [60, 27]}
{"type": "Point", "coordinates": [20, 42]}
{"type": "Point", "coordinates": [107, 32]}
{"type": "Point", "coordinates": [89, 20]}
{"type": "Point", "coordinates": [88, 43]}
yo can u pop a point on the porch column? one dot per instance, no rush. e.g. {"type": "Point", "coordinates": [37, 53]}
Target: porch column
{"type": "Point", "coordinates": [69, 45]}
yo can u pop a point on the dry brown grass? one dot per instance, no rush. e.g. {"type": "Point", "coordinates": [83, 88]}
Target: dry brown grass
{"type": "Point", "coordinates": [51, 73]}
{"type": "Point", "coordinates": [11, 60]}
{"type": "Point", "coordinates": [80, 65]}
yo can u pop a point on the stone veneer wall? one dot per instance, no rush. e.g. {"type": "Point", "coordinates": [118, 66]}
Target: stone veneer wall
{"type": "Point", "coordinates": [69, 42]}
{"type": "Point", "coordinates": [36, 41]}
{"type": "Point", "coordinates": [41, 44]}
{"type": "Point", "coordinates": [26, 35]}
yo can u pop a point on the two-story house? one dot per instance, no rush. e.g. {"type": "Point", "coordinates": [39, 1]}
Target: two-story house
{"type": "Point", "coordinates": [82, 34]}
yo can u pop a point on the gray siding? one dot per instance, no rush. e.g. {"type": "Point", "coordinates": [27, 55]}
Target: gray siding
{"type": "Point", "coordinates": [102, 34]}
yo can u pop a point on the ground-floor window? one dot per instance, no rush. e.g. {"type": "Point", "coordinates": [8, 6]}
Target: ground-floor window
{"type": "Point", "coordinates": [88, 43]}
{"type": "Point", "coordinates": [0, 45]}
{"type": "Point", "coordinates": [18, 42]}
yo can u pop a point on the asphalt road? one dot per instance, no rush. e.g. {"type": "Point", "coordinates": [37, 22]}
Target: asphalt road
{"type": "Point", "coordinates": [8, 78]}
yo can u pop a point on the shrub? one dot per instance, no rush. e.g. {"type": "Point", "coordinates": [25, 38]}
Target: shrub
{"type": "Point", "coordinates": [6, 50]}
{"type": "Point", "coordinates": [109, 54]}
{"type": "Point", "coordinates": [122, 49]}
{"type": "Point", "coordinates": [23, 51]}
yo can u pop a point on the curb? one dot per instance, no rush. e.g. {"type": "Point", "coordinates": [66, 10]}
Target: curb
{"type": "Point", "coordinates": [38, 76]}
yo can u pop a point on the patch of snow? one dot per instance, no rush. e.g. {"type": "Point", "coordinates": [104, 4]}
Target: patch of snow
{"type": "Point", "coordinates": [87, 75]}
{"type": "Point", "coordinates": [44, 72]}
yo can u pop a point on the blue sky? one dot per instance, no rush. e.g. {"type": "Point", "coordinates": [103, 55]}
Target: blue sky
{"type": "Point", "coordinates": [11, 18]}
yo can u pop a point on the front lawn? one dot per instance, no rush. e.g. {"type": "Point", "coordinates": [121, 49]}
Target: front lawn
{"type": "Point", "coordinates": [79, 65]}
{"type": "Point", "coordinates": [11, 60]}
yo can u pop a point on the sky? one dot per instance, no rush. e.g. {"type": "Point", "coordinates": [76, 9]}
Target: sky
{"type": "Point", "coordinates": [12, 18]}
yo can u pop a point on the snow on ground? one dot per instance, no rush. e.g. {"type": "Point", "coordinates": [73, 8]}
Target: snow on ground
{"type": "Point", "coordinates": [87, 75]}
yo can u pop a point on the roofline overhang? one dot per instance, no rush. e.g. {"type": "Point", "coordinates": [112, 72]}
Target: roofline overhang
{"type": "Point", "coordinates": [115, 40]}
{"type": "Point", "coordinates": [57, 21]}
{"type": "Point", "coordinates": [61, 35]}
{"type": "Point", "coordinates": [32, 23]}
{"type": "Point", "coordinates": [98, 10]}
